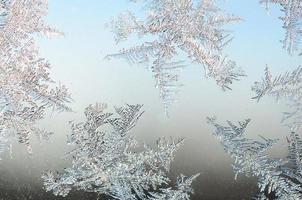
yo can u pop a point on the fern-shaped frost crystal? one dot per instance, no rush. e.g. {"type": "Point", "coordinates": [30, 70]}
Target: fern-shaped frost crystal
{"type": "Point", "coordinates": [294, 167]}
{"type": "Point", "coordinates": [106, 160]}
{"type": "Point", "coordinates": [251, 159]}
{"type": "Point", "coordinates": [26, 89]}
{"type": "Point", "coordinates": [173, 28]}
{"type": "Point", "coordinates": [292, 23]}
{"type": "Point", "coordinates": [286, 86]}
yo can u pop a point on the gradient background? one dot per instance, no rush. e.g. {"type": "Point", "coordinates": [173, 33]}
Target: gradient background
{"type": "Point", "coordinates": [77, 61]}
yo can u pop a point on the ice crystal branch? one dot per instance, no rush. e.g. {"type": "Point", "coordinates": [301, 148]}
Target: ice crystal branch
{"type": "Point", "coordinates": [26, 89]}
{"type": "Point", "coordinates": [106, 160]}
{"type": "Point", "coordinates": [294, 167]}
{"type": "Point", "coordinates": [292, 23]}
{"type": "Point", "coordinates": [286, 86]}
{"type": "Point", "coordinates": [167, 81]}
{"type": "Point", "coordinates": [172, 28]}
{"type": "Point", "coordinates": [252, 159]}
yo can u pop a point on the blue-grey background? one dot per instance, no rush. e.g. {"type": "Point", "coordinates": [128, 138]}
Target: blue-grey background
{"type": "Point", "coordinates": [77, 60]}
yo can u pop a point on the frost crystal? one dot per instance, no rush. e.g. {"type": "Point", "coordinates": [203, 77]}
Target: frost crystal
{"type": "Point", "coordinates": [294, 167]}
{"type": "Point", "coordinates": [107, 161]}
{"type": "Point", "coordinates": [287, 86]}
{"type": "Point", "coordinates": [26, 89]}
{"type": "Point", "coordinates": [292, 23]}
{"type": "Point", "coordinates": [172, 28]}
{"type": "Point", "coordinates": [274, 175]}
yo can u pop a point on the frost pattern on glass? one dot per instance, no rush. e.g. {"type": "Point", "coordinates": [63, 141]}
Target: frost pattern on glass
{"type": "Point", "coordinates": [294, 167]}
{"type": "Point", "coordinates": [292, 23]}
{"type": "Point", "coordinates": [167, 81]}
{"type": "Point", "coordinates": [275, 176]}
{"type": "Point", "coordinates": [173, 28]}
{"type": "Point", "coordinates": [26, 89]}
{"type": "Point", "coordinates": [106, 160]}
{"type": "Point", "coordinates": [286, 86]}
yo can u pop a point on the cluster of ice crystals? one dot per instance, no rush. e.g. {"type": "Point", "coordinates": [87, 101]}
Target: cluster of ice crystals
{"type": "Point", "coordinates": [292, 23]}
{"type": "Point", "coordinates": [26, 89]}
{"type": "Point", "coordinates": [107, 160]}
{"type": "Point", "coordinates": [171, 28]}
{"type": "Point", "coordinates": [286, 86]}
{"type": "Point", "coordinates": [275, 176]}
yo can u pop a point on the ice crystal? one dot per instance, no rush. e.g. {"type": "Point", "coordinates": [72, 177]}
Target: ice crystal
{"type": "Point", "coordinates": [292, 20]}
{"type": "Point", "coordinates": [172, 28]}
{"type": "Point", "coordinates": [274, 175]}
{"type": "Point", "coordinates": [286, 86]}
{"type": "Point", "coordinates": [26, 89]}
{"type": "Point", "coordinates": [167, 81]}
{"type": "Point", "coordinates": [294, 169]}
{"type": "Point", "coordinates": [106, 160]}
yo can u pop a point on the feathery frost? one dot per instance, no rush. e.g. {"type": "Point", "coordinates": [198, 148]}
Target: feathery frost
{"type": "Point", "coordinates": [26, 89]}
{"type": "Point", "coordinates": [275, 176]}
{"type": "Point", "coordinates": [171, 28]}
{"type": "Point", "coordinates": [286, 86]}
{"type": "Point", "coordinates": [292, 23]}
{"type": "Point", "coordinates": [106, 160]}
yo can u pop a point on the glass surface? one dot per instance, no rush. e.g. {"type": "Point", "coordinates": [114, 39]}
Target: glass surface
{"type": "Point", "coordinates": [77, 60]}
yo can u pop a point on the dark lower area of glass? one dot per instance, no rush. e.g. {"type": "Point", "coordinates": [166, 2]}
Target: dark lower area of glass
{"type": "Point", "coordinates": [243, 189]}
